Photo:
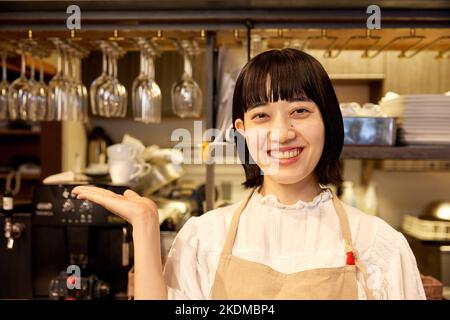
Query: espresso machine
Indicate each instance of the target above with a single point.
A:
(79, 249)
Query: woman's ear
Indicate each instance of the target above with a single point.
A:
(239, 125)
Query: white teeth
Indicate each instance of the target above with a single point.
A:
(285, 154)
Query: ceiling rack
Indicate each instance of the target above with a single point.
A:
(332, 41)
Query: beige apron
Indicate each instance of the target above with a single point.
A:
(241, 279)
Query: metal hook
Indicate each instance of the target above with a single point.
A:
(367, 36)
(237, 38)
(323, 36)
(280, 37)
(441, 53)
(159, 41)
(412, 35)
(73, 36)
(116, 36)
(432, 43)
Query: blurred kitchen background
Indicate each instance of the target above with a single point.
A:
(136, 71)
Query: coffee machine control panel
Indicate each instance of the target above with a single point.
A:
(56, 205)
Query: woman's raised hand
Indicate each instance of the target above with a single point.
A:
(142, 214)
(129, 206)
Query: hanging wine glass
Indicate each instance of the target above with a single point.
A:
(30, 108)
(123, 95)
(112, 95)
(98, 82)
(4, 85)
(146, 94)
(108, 96)
(186, 94)
(81, 88)
(58, 88)
(39, 94)
(72, 113)
(17, 97)
(75, 91)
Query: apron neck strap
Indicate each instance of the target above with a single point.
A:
(343, 219)
(231, 235)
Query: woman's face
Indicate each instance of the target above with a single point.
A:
(285, 138)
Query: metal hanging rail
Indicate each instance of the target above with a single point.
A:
(411, 36)
(374, 39)
(440, 54)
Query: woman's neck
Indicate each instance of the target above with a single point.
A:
(305, 190)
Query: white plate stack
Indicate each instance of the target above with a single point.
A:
(426, 118)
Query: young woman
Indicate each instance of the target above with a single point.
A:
(291, 238)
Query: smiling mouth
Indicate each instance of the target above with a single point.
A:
(286, 154)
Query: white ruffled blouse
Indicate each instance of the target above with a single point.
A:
(291, 238)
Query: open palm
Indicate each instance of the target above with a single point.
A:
(129, 206)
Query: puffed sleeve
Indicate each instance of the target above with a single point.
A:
(403, 277)
(183, 274)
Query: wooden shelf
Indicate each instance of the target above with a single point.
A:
(399, 153)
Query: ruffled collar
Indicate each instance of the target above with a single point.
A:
(272, 200)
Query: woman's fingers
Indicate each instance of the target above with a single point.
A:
(98, 190)
(133, 196)
(130, 194)
(116, 204)
(129, 206)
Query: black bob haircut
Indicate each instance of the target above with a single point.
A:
(292, 74)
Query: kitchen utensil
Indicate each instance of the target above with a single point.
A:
(134, 143)
(161, 174)
(98, 141)
(437, 210)
(370, 131)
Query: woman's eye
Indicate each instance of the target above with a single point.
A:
(259, 116)
(300, 111)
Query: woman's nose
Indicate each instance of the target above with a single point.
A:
(282, 131)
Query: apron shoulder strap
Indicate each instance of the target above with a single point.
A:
(346, 234)
(345, 225)
(231, 234)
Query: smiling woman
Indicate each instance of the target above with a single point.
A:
(294, 83)
(291, 237)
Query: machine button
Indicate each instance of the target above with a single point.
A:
(65, 194)
(68, 206)
(86, 207)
